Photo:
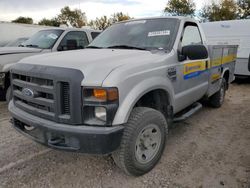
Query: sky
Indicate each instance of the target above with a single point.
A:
(39, 9)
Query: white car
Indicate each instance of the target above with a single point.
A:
(44, 41)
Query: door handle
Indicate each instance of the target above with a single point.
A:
(207, 64)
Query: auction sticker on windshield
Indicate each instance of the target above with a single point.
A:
(136, 22)
(158, 33)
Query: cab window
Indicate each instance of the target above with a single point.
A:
(94, 34)
(74, 40)
(191, 35)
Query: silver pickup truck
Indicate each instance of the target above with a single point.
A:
(121, 94)
(44, 41)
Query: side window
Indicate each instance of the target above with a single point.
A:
(74, 40)
(191, 36)
(94, 34)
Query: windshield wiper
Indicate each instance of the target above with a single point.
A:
(126, 47)
(94, 47)
(32, 45)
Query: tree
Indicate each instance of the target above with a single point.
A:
(224, 10)
(100, 23)
(25, 20)
(50, 22)
(104, 22)
(180, 8)
(119, 16)
(243, 9)
(75, 18)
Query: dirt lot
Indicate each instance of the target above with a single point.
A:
(211, 149)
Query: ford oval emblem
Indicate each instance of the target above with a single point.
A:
(28, 92)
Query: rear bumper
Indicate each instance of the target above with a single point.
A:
(80, 138)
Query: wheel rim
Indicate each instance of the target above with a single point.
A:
(148, 143)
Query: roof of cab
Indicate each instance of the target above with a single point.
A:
(162, 17)
(72, 29)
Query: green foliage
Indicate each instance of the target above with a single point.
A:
(224, 10)
(25, 20)
(104, 22)
(180, 8)
(100, 23)
(75, 17)
(119, 16)
(50, 22)
(243, 9)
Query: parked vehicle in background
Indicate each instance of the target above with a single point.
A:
(232, 32)
(12, 31)
(17, 42)
(121, 94)
(44, 41)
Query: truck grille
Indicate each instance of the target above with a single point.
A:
(51, 93)
(38, 96)
(65, 98)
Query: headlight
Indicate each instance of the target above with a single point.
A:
(101, 113)
(101, 94)
(100, 105)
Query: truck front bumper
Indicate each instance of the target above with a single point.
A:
(78, 138)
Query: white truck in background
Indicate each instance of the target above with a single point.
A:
(44, 41)
(232, 32)
(10, 32)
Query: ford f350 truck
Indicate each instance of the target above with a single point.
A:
(44, 41)
(121, 94)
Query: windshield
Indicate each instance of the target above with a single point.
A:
(44, 39)
(139, 34)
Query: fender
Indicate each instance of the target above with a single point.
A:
(224, 70)
(137, 92)
(7, 67)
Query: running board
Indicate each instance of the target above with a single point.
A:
(191, 110)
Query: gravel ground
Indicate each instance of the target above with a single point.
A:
(210, 149)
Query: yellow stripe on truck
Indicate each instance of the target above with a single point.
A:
(226, 59)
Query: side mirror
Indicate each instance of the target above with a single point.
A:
(193, 52)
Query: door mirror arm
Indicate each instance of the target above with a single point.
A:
(181, 57)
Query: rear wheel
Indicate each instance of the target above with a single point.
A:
(218, 98)
(142, 143)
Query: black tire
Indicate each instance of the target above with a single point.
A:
(125, 157)
(8, 95)
(2, 94)
(217, 99)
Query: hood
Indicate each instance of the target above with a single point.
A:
(11, 55)
(95, 64)
(18, 50)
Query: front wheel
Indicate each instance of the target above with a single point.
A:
(143, 141)
(218, 98)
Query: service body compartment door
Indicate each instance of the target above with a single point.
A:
(222, 58)
(215, 53)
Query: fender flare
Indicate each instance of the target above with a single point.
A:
(142, 88)
(224, 71)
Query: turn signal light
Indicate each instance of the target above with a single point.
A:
(106, 94)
